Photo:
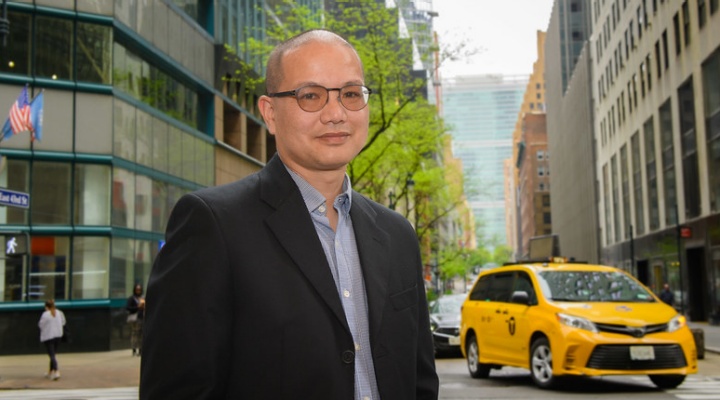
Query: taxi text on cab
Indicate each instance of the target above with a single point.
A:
(571, 319)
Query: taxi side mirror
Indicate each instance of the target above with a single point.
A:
(520, 297)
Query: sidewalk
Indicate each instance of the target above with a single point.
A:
(79, 371)
(118, 369)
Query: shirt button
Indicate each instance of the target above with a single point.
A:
(366, 398)
(346, 293)
(321, 208)
(348, 357)
(357, 346)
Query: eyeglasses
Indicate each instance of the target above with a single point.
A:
(313, 98)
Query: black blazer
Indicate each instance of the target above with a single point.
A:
(241, 303)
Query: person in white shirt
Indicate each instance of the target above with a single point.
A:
(51, 332)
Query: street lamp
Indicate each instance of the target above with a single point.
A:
(391, 200)
(410, 185)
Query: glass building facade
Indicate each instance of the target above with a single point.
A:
(136, 114)
(481, 112)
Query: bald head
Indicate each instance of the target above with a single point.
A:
(274, 74)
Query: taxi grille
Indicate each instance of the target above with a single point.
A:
(618, 357)
(634, 331)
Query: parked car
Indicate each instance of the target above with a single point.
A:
(562, 319)
(445, 323)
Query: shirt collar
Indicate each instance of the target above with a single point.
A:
(314, 199)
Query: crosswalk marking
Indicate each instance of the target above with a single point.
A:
(695, 387)
(126, 393)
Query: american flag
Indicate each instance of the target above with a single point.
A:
(20, 113)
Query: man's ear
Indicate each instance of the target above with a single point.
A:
(267, 110)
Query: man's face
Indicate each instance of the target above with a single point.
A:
(324, 140)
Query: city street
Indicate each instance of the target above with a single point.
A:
(515, 383)
(114, 376)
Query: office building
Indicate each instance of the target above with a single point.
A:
(655, 83)
(481, 112)
(570, 111)
(137, 112)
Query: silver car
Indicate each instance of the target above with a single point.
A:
(445, 323)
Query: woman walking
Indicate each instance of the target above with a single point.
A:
(136, 309)
(51, 331)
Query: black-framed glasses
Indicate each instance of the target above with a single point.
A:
(312, 98)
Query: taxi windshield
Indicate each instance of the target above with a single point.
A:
(591, 286)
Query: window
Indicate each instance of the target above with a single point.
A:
(691, 171)
(651, 174)
(123, 199)
(711, 98)
(702, 13)
(94, 53)
(90, 268)
(676, 29)
(606, 204)
(615, 196)
(48, 268)
(625, 183)
(540, 155)
(666, 57)
(648, 72)
(642, 79)
(547, 218)
(92, 194)
(501, 287)
(15, 176)
(50, 193)
(53, 48)
(658, 62)
(686, 22)
(637, 183)
(481, 290)
(541, 170)
(668, 163)
(541, 187)
(15, 57)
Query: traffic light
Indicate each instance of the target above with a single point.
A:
(16, 244)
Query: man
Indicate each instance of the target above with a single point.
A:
(667, 296)
(287, 284)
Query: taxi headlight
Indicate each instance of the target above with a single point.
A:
(576, 322)
(676, 323)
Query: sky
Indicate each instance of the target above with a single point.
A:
(502, 31)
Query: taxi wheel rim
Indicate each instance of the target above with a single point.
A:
(473, 356)
(542, 364)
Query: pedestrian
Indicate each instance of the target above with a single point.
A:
(287, 283)
(51, 326)
(136, 311)
(666, 295)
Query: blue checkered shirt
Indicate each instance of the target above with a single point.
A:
(342, 255)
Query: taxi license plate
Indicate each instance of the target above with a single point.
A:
(454, 340)
(642, 353)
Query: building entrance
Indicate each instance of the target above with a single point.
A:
(697, 284)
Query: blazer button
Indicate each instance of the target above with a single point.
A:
(348, 357)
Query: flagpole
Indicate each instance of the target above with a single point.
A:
(4, 23)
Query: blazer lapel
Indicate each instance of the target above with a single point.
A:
(372, 247)
(293, 227)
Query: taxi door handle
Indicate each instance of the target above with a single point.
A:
(498, 311)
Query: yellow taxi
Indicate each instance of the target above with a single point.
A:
(561, 319)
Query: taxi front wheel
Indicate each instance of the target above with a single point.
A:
(477, 370)
(667, 381)
(541, 364)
